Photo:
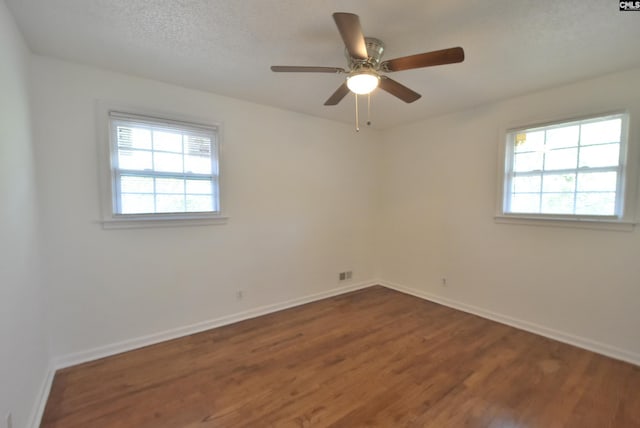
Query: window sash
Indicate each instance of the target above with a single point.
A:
(543, 173)
(186, 130)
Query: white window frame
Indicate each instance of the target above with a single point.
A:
(107, 114)
(623, 220)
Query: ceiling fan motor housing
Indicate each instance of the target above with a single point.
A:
(375, 49)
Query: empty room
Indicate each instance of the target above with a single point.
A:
(361, 213)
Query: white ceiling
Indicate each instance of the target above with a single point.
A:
(226, 46)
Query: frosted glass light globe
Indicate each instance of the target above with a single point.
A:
(363, 82)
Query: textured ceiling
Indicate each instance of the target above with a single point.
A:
(226, 46)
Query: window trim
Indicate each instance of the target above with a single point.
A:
(110, 219)
(625, 221)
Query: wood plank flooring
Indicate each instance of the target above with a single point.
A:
(371, 358)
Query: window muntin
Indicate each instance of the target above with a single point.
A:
(163, 168)
(573, 169)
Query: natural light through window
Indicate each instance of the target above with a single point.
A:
(163, 167)
(566, 169)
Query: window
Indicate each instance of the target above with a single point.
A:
(162, 169)
(567, 170)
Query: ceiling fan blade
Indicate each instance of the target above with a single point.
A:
(427, 59)
(338, 95)
(398, 90)
(306, 69)
(351, 33)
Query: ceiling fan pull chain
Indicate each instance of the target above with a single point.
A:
(369, 109)
(357, 121)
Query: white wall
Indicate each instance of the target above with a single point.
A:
(439, 202)
(304, 196)
(307, 198)
(299, 191)
(23, 341)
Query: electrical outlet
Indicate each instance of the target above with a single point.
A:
(239, 294)
(444, 282)
(9, 420)
(349, 274)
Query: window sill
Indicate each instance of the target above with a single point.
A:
(576, 223)
(134, 222)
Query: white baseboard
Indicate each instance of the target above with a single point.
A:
(139, 342)
(41, 401)
(580, 342)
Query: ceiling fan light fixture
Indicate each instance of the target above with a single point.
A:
(363, 82)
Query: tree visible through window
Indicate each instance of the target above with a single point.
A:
(163, 167)
(571, 168)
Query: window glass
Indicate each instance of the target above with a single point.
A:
(572, 168)
(163, 168)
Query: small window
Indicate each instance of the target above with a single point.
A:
(163, 169)
(567, 169)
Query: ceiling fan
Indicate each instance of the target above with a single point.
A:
(364, 56)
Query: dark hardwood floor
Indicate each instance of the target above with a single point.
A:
(374, 357)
